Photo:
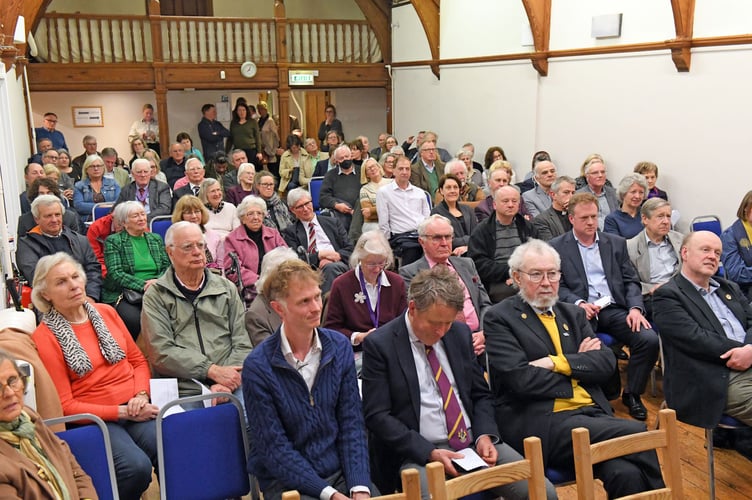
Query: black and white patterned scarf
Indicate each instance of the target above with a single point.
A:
(217, 210)
(75, 355)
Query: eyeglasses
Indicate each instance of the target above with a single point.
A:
(438, 237)
(255, 214)
(302, 205)
(430, 150)
(266, 184)
(374, 265)
(187, 247)
(15, 383)
(95, 167)
(537, 276)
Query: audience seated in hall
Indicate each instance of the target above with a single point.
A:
(222, 214)
(650, 171)
(191, 182)
(460, 215)
(538, 199)
(554, 221)
(498, 176)
(45, 186)
(245, 175)
(190, 209)
(154, 195)
(98, 232)
(596, 183)
(470, 193)
(93, 188)
(340, 190)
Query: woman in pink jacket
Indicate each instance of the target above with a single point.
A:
(247, 244)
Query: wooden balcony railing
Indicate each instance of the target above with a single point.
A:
(83, 38)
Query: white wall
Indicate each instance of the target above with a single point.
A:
(629, 108)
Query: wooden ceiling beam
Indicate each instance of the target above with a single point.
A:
(428, 13)
(539, 15)
(684, 15)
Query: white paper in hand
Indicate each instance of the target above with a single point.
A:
(470, 460)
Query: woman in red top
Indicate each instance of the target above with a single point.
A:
(96, 367)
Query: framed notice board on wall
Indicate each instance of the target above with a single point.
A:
(87, 116)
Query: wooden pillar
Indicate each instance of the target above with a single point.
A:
(158, 67)
(283, 89)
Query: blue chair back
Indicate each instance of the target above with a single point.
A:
(100, 210)
(710, 223)
(203, 453)
(314, 188)
(90, 444)
(160, 225)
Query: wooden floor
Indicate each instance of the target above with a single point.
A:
(733, 471)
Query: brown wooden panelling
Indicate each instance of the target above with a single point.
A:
(90, 77)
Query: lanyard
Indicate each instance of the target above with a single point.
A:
(373, 313)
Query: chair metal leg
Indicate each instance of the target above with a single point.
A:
(711, 463)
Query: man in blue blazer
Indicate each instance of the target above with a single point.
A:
(406, 400)
(599, 277)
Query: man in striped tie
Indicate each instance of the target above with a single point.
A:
(424, 395)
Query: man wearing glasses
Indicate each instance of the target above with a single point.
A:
(435, 237)
(48, 131)
(320, 241)
(546, 367)
(193, 319)
(427, 170)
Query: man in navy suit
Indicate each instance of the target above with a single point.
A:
(599, 277)
(424, 395)
(321, 241)
(546, 368)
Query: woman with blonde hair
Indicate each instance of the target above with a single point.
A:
(190, 208)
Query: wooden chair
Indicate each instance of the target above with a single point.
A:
(410, 489)
(530, 468)
(665, 440)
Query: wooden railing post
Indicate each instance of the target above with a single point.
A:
(283, 89)
(158, 66)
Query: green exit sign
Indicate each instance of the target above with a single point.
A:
(301, 77)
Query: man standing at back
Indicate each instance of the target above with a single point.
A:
(49, 131)
(304, 410)
(598, 276)
(212, 132)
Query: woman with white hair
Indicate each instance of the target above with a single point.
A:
(222, 214)
(244, 187)
(627, 222)
(367, 296)
(96, 367)
(249, 243)
(260, 319)
(135, 259)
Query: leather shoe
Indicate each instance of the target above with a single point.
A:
(620, 354)
(634, 404)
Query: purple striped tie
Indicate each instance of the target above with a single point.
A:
(456, 429)
(311, 238)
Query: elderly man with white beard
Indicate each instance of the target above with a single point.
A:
(546, 368)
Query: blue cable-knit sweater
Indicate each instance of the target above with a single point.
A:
(300, 437)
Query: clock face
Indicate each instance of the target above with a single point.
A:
(248, 69)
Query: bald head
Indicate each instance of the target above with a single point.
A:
(700, 254)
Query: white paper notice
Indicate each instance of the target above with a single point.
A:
(164, 390)
(204, 390)
(470, 461)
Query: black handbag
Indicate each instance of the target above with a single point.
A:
(132, 297)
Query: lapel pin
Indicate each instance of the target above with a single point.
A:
(523, 315)
(728, 296)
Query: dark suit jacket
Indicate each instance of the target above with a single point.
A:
(524, 394)
(179, 193)
(468, 274)
(160, 201)
(621, 275)
(322, 167)
(391, 395)
(695, 377)
(296, 235)
(548, 225)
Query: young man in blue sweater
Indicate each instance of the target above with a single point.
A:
(304, 411)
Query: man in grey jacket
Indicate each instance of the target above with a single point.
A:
(193, 319)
